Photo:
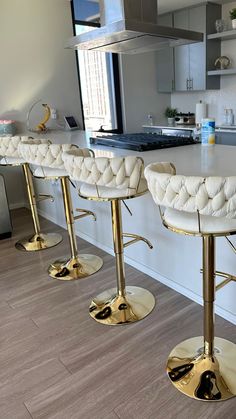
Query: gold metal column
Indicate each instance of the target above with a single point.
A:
(123, 304)
(39, 241)
(75, 267)
(198, 367)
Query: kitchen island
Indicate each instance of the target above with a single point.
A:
(175, 259)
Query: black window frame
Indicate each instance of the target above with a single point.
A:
(116, 76)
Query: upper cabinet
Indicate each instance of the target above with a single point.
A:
(190, 62)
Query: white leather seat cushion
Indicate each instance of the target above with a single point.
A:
(11, 161)
(103, 192)
(48, 172)
(188, 222)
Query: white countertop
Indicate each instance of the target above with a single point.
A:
(218, 160)
(219, 128)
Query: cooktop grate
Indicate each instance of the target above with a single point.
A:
(141, 141)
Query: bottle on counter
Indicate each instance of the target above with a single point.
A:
(150, 119)
(208, 131)
(228, 117)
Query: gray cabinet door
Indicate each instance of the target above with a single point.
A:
(165, 61)
(181, 53)
(197, 54)
(226, 138)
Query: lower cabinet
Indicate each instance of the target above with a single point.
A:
(226, 138)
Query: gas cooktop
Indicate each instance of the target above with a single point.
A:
(141, 141)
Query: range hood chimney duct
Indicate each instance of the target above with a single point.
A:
(138, 10)
(131, 27)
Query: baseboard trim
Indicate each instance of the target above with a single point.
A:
(17, 205)
(153, 274)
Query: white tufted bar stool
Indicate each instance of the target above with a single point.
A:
(10, 157)
(49, 165)
(203, 368)
(114, 180)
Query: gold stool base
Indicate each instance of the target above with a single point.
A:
(38, 242)
(75, 268)
(202, 377)
(112, 309)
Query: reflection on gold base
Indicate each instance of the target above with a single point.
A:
(110, 308)
(38, 242)
(200, 376)
(75, 268)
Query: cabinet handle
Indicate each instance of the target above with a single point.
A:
(187, 84)
(191, 84)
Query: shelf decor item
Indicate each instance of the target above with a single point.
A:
(219, 25)
(222, 62)
(170, 114)
(232, 14)
(41, 126)
(7, 128)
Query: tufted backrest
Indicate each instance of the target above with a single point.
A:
(116, 172)
(9, 145)
(48, 155)
(213, 195)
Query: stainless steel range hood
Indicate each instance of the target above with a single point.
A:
(130, 27)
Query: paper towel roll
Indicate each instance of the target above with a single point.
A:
(201, 112)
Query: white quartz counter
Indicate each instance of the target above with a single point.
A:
(219, 128)
(175, 259)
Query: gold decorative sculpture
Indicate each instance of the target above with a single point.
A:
(222, 62)
(42, 125)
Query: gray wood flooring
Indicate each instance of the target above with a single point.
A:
(58, 363)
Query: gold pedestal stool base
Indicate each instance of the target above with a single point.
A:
(38, 242)
(111, 308)
(200, 376)
(75, 268)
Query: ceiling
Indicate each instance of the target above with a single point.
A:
(169, 5)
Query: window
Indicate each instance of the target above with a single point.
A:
(98, 74)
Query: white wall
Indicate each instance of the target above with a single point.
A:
(217, 100)
(35, 65)
(139, 91)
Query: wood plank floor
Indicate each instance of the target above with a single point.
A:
(58, 363)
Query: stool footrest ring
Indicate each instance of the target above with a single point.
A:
(136, 238)
(228, 279)
(85, 213)
(44, 197)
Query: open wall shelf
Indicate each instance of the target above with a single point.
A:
(223, 36)
(226, 72)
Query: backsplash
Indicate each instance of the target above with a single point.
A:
(217, 100)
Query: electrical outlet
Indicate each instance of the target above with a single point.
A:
(53, 113)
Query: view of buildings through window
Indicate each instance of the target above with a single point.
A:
(97, 87)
